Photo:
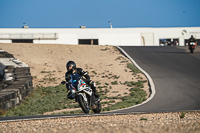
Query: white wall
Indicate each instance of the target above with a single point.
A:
(62, 39)
(147, 39)
(5, 41)
(120, 39)
(106, 36)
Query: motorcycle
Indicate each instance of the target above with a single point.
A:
(192, 47)
(83, 94)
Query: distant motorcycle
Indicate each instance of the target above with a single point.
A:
(192, 47)
(83, 94)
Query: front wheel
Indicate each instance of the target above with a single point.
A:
(83, 104)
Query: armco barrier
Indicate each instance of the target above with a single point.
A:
(15, 81)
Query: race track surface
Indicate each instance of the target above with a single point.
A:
(176, 75)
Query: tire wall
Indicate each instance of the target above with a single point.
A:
(15, 81)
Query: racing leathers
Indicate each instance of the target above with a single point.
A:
(81, 72)
(192, 39)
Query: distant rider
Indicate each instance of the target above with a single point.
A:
(192, 39)
(71, 68)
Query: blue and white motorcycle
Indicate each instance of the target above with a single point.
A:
(83, 94)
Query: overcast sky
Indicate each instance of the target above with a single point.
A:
(97, 13)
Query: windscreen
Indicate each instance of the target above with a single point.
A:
(75, 78)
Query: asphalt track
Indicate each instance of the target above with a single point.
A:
(176, 76)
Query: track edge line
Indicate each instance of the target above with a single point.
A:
(151, 83)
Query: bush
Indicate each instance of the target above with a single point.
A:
(182, 115)
(106, 83)
(98, 83)
(143, 119)
(133, 68)
(114, 83)
(45, 71)
(135, 89)
(94, 72)
(129, 84)
(140, 84)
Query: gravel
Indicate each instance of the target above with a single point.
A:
(170, 122)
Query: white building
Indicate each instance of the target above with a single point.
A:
(101, 36)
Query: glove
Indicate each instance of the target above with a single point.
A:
(63, 82)
(87, 82)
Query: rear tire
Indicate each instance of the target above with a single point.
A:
(98, 108)
(83, 104)
(192, 50)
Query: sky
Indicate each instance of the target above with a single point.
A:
(98, 13)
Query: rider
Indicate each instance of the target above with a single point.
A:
(71, 68)
(192, 39)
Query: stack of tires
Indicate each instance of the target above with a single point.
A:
(16, 83)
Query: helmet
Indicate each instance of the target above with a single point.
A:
(71, 64)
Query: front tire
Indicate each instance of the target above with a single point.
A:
(83, 104)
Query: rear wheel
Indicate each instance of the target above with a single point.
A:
(83, 104)
(192, 50)
(98, 108)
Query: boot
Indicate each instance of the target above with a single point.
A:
(96, 95)
(93, 87)
(95, 91)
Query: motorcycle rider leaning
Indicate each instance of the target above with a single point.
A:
(71, 68)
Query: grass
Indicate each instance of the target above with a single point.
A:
(46, 99)
(136, 96)
(94, 72)
(2, 112)
(182, 115)
(45, 71)
(114, 83)
(98, 83)
(134, 69)
(106, 91)
(43, 99)
(106, 83)
(143, 119)
(115, 76)
(137, 84)
(123, 61)
(120, 58)
(129, 84)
